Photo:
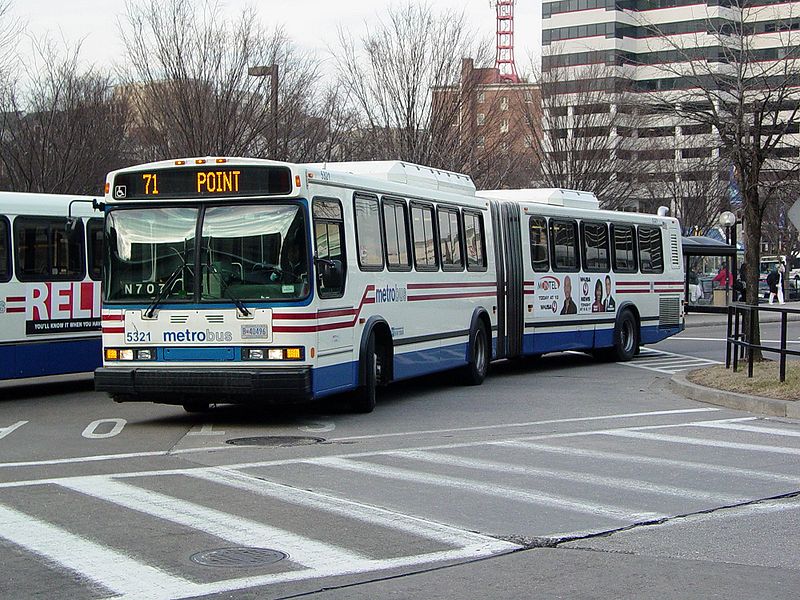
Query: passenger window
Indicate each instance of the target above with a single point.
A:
(368, 232)
(651, 254)
(624, 257)
(595, 247)
(5, 250)
(539, 251)
(94, 248)
(329, 244)
(423, 235)
(395, 226)
(450, 240)
(564, 241)
(474, 241)
(48, 249)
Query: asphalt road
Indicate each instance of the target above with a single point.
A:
(564, 478)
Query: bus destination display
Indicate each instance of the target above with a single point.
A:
(202, 182)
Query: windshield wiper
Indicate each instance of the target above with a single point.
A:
(225, 290)
(173, 277)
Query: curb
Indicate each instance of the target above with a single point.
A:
(755, 404)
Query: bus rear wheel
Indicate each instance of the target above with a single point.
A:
(479, 356)
(626, 338)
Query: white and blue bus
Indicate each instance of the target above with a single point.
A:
(50, 271)
(255, 281)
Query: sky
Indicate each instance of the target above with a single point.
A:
(311, 24)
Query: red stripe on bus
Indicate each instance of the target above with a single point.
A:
(15, 309)
(113, 330)
(15, 299)
(449, 296)
(113, 317)
(430, 286)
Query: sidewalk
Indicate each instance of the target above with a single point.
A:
(694, 319)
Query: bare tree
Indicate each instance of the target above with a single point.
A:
(191, 95)
(63, 130)
(404, 81)
(588, 135)
(10, 29)
(744, 86)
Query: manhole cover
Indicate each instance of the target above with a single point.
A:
(276, 440)
(238, 557)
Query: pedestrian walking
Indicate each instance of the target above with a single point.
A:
(775, 284)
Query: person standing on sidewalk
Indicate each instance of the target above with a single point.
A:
(775, 283)
(781, 281)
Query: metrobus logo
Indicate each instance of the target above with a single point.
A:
(208, 336)
(393, 293)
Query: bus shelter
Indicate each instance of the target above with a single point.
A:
(711, 274)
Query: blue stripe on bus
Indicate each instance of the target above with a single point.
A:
(52, 357)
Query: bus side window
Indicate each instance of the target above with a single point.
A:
(595, 247)
(450, 239)
(423, 235)
(48, 249)
(564, 242)
(368, 232)
(395, 224)
(624, 256)
(540, 259)
(5, 250)
(94, 248)
(329, 244)
(475, 241)
(651, 254)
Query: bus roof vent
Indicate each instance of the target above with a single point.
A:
(407, 173)
(551, 196)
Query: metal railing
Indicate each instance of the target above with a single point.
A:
(741, 330)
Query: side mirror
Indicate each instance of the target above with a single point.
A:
(331, 273)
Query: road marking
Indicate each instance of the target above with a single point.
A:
(490, 489)
(667, 363)
(156, 453)
(700, 339)
(675, 439)
(372, 515)
(749, 428)
(649, 460)
(111, 569)
(91, 429)
(366, 454)
(205, 429)
(4, 431)
(633, 485)
(305, 551)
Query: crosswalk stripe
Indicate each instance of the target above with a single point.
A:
(347, 508)
(574, 476)
(509, 493)
(675, 439)
(242, 531)
(668, 363)
(651, 460)
(103, 566)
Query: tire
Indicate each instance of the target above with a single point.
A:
(365, 396)
(479, 356)
(626, 337)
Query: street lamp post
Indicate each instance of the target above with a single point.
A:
(270, 71)
(728, 220)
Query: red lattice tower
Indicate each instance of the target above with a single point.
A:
(504, 62)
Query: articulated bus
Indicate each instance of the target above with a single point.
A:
(50, 271)
(254, 281)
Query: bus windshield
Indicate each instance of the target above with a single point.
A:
(246, 252)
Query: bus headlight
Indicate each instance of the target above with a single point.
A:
(144, 354)
(114, 354)
(126, 354)
(291, 353)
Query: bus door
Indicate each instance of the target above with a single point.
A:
(508, 259)
(334, 312)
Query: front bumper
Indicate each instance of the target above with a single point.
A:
(230, 385)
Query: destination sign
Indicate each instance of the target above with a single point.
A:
(202, 182)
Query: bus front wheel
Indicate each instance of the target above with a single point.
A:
(365, 396)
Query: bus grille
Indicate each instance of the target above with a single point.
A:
(669, 311)
(674, 254)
